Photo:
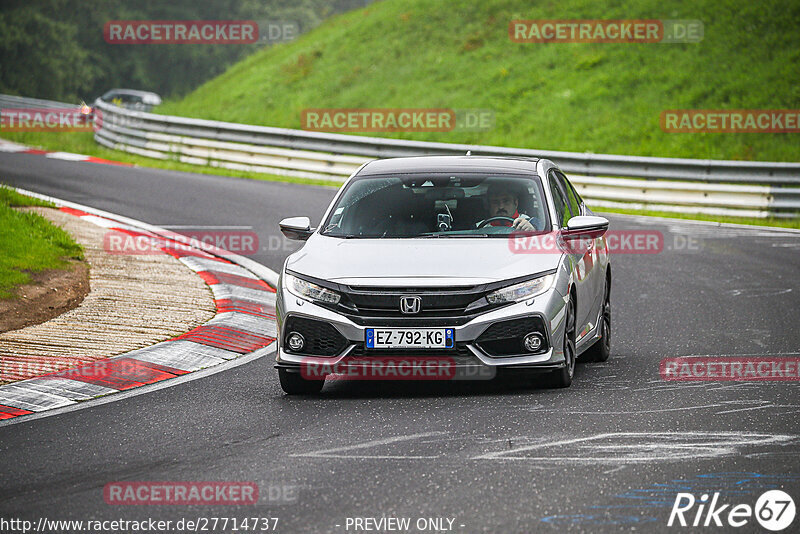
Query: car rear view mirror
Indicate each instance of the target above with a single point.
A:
(585, 226)
(297, 228)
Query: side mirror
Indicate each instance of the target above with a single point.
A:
(585, 226)
(297, 228)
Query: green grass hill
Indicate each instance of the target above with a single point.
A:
(584, 97)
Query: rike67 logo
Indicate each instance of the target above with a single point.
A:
(774, 510)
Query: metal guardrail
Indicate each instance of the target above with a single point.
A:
(16, 102)
(714, 187)
(738, 188)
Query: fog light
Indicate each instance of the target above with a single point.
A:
(295, 341)
(533, 342)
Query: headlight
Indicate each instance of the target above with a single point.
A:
(522, 291)
(305, 289)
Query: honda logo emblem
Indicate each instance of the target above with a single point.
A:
(409, 305)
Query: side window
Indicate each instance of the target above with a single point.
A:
(573, 198)
(559, 200)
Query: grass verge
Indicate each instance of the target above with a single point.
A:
(29, 242)
(605, 98)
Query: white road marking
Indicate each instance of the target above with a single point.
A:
(331, 453)
(666, 386)
(8, 146)
(758, 292)
(66, 156)
(21, 396)
(34, 400)
(653, 446)
(618, 468)
(637, 412)
(768, 405)
(759, 404)
(620, 448)
(100, 221)
(149, 388)
(369, 457)
(771, 454)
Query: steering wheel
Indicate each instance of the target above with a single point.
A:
(493, 219)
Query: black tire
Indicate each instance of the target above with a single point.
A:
(562, 378)
(601, 350)
(295, 384)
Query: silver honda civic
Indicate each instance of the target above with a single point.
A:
(445, 267)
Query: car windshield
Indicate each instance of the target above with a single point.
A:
(437, 205)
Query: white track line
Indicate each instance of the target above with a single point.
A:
(149, 388)
(119, 395)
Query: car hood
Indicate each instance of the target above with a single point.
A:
(415, 262)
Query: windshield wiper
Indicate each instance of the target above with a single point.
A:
(466, 235)
(432, 234)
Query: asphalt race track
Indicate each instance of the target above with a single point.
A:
(609, 453)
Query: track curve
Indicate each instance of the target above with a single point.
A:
(496, 457)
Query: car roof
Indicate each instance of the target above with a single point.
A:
(433, 164)
(146, 96)
(130, 92)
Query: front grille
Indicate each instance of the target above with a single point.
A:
(322, 339)
(409, 321)
(505, 338)
(437, 303)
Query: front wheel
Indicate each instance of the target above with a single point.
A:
(601, 350)
(562, 378)
(295, 384)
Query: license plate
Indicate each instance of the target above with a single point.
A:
(410, 338)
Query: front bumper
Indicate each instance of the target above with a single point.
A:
(469, 356)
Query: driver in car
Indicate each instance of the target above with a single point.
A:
(503, 202)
